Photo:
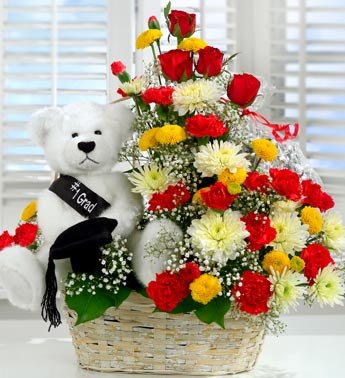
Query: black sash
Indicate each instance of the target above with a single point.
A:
(82, 199)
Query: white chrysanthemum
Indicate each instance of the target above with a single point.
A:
(135, 86)
(333, 231)
(195, 95)
(287, 289)
(328, 287)
(150, 179)
(291, 233)
(217, 236)
(214, 158)
(285, 206)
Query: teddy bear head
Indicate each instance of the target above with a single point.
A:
(82, 138)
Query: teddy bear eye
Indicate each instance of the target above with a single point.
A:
(74, 135)
(98, 132)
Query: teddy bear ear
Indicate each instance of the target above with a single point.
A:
(42, 121)
(121, 118)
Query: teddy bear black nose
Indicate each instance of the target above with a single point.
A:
(86, 146)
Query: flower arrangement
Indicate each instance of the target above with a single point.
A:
(259, 232)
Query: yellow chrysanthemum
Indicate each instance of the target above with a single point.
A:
(264, 149)
(205, 288)
(192, 44)
(277, 260)
(239, 177)
(148, 139)
(29, 211)
(170, 134)
(146, 38)
(311, 216)
(297, 264)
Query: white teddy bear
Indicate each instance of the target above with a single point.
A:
(82, 141)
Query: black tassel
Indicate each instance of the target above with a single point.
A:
(49, 309)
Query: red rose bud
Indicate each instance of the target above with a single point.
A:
(177, 65)
(181, 24)
(153, 23)
(121, 92)
(205, 126)
(210, 61)
(316, 257)
(217, 196)
(243, 89)
(119, 69)
(6, 240)
(25, 234)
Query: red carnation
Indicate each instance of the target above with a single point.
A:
(260, 229)
(257, 182)
(174, 196)
(181, 24)
(117, 68)
(190, 272)
(243, 89)
(217, 196)
(177, 65)
(6, 240)
(316, 257)
(286, 183)
(253, 295)
(161, 95)
(25, 234)
(313, 195)
(210, 61)
(167, 291)
(203, 126)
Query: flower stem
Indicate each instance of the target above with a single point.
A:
(155, 61)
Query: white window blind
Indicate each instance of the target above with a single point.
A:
(307, 66)
(53, 52)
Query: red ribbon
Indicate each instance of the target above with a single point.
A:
(276, 128)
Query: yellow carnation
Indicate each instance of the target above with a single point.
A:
(148, 139)
(226, 177)
(311, 216)
(29, 211)
(297, 264)
(192, 44)
(170, 134)
(264, 149)
(205, 288)
(277, 260)
(146, 38)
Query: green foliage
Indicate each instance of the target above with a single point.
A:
(89, 306)
(214, 311)
(187, 305)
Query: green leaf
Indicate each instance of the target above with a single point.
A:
(167, 9)
(142, 291)
(89, 307)
(187, 305)
(214, 311)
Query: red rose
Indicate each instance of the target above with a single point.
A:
(243, 89)
(117, 68)
(257, 182)
(174, 196)
(190, 272)
(177, 65)
(6, 240)
(217, 196)
(252, 297)
(25, 234)
(167, 291)
(153, 23)
(316, 257)
(161, 95)
(210, 61)
(286, 183)
(260, 229)
(313, 195)
(203, 126)
(181, 24)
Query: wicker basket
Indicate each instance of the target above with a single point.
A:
(133, 339)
